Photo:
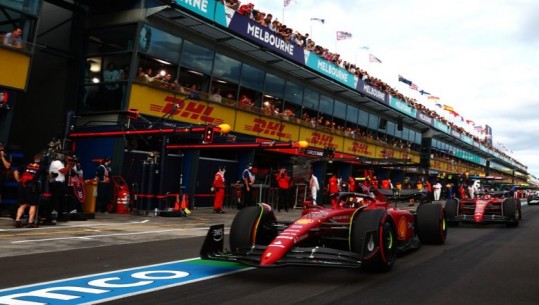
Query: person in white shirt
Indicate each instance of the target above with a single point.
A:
(314, 187)
(437, 190)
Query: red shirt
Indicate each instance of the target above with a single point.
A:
(333, 185)
(219, 180)
(284, 182)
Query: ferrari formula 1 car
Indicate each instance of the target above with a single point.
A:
(487, 207)
(533, 198)
(363, 231)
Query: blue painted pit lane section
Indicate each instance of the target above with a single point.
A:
(98, 288)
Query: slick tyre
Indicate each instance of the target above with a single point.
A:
(511, 209)
(430, 224)
(451, 211)
(249, 228)
(373, 237)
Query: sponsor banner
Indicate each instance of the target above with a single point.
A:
(318, 139)
(455, 133)
(329, 69)
(161, 103)
(425, 118)
(18, 65)
(371, 91)
(99, 288)
(441, 126)
(403, 107)
(384, 152)
(263, 36)
(256, 125)
(359, 148)
(204, 8)
(466, 139)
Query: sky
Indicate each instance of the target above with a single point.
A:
(480, 57)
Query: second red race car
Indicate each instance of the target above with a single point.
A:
(486, 207)
(363, 231)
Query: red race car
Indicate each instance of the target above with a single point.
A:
(363, 231)
(486, 207)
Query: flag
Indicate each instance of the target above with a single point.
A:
(404, 80)
(319, 19)
(433, 98)
(287, 2)
(343, 35)
(423, 92)
(448, 108)
(470, 122)
(438, 105)
(413, 86)
(373, 58)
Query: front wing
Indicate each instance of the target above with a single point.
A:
(213, 249)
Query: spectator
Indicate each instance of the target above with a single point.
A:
(13, 38)
(244, 100)
(103, 185)
(247, 10)
(351, 184)
(216, 96)
(284, 181)
(5, 166)
(218, 186)
(111, 77)
(193, 93)
(29, 192)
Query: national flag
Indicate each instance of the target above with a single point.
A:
(433, 98)
(423, 92)
(373, 58)
(470, 122)
(319, 19)
(448, 108)
(404, 80)
(287, 2)
(438, 105)
(343, 35)
(413, 86)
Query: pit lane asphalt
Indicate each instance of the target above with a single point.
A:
(112, 229)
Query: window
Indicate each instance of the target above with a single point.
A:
(196, 57)
(252, 77)
(111, 39)
(159, 44)
(226, 68)
(311, 99)
(274, 86)
(326, 105)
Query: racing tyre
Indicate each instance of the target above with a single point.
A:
(511, 209)
(248, 228)
(373, 237)
(451, 211)
(430, 224)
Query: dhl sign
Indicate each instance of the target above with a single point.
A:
(320, 139)
(358, 148)
(268, 128)
(159, 103)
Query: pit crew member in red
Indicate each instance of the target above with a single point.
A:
(333, 188)
(218, 186)
(284, 182)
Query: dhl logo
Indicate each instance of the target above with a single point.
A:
(189, 110)
(321, 140)
(437, 164)
(387, 153)
(448, 167)
(360, 148)
(268, 128)
(405, 156)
